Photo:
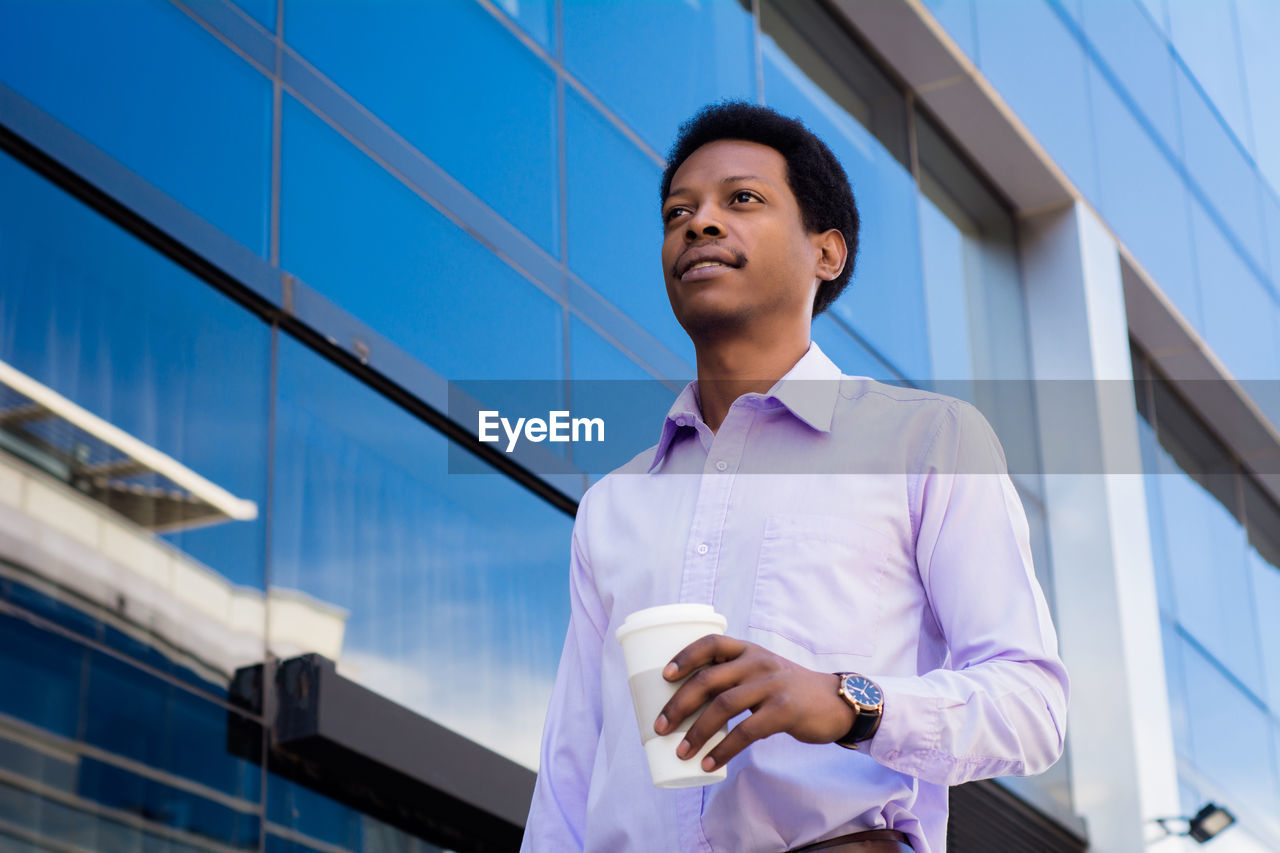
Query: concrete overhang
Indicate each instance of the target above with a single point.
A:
(915, 47)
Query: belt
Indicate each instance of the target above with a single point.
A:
(867, 841)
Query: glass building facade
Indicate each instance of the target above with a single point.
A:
(248, 248)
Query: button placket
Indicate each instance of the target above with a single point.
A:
(711, 511)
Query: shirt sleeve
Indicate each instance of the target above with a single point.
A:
(998, 707)
(557, 815)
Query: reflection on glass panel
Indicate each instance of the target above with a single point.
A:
(1159, 12)
(972, 256)
(99, 753)
(502, 145)
(1238, 311)
(1231, 737)
(976, 306)
(262, 11)
(537, 17)
(594, 358)
(1180, 703)
(826, 55)
(1136, 51)
(885, 299)
(1209, 570)
(624, 51)
(211, 151)
(1151, 453)
(446, 593)
(615, 222)
(1271, 219)
(366, 241)
(1204, 34)
(1221, 170)
(607, 381)
(1143, 198)
(1039, 69)
(123, 382)
(1259, 21)
(1262, 517)
(942, 247)
(325, 823)
(847, 351)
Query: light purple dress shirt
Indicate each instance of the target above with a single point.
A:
(914, 575)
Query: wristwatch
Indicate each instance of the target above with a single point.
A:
(867, 700)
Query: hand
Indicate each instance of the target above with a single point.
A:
(781, 695)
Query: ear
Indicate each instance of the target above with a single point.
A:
(832, 253)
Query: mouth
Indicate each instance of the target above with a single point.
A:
(707, 262)
(704, 269)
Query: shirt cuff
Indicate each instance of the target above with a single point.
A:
(910, 725)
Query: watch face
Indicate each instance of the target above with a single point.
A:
(863, 689)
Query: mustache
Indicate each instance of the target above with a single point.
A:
(739, 259)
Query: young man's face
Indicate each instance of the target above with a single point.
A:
(736, 254)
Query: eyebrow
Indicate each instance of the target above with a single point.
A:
(732, 179)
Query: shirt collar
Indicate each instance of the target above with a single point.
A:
(808, 390)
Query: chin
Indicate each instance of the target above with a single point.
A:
(708, 322)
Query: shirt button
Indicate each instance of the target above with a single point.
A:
(702, 549)
(721, 465)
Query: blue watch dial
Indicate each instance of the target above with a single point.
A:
(863, 689)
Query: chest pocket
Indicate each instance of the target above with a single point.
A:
(818, 583)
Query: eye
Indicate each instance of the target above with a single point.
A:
(673, 213)
(745, 196)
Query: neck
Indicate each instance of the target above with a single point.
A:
(731, 367)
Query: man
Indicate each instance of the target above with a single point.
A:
(868, 550)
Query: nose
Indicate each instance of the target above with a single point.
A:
(704, 223)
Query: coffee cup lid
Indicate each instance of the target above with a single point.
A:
(664, 613)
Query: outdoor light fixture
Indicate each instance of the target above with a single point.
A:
(1209, 822)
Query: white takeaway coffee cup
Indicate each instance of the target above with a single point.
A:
(650, 638)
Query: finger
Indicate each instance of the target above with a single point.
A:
(713, 648)
(760, 724)
(719, 712)
(700, 688)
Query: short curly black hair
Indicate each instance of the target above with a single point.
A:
(815, 176)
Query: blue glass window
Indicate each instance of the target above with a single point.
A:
(1133, 46)
(155, 91)
(615, 222)
(1231, 736)
(450, 79)
(102, 319)
(1221, 170)
(1266, 592)
(1209, 570)
(1259, 21)
(1204, 34)
(847, 351)
(1271, 218)
(138, 716)
(444, 592)
(363, 239)
(48, 667)
(1144, 199)
(537, 17)
(1159, 12)
(626, 54)
(262, 11)
(884, 302)
(1239, 314)
(1039, 69)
